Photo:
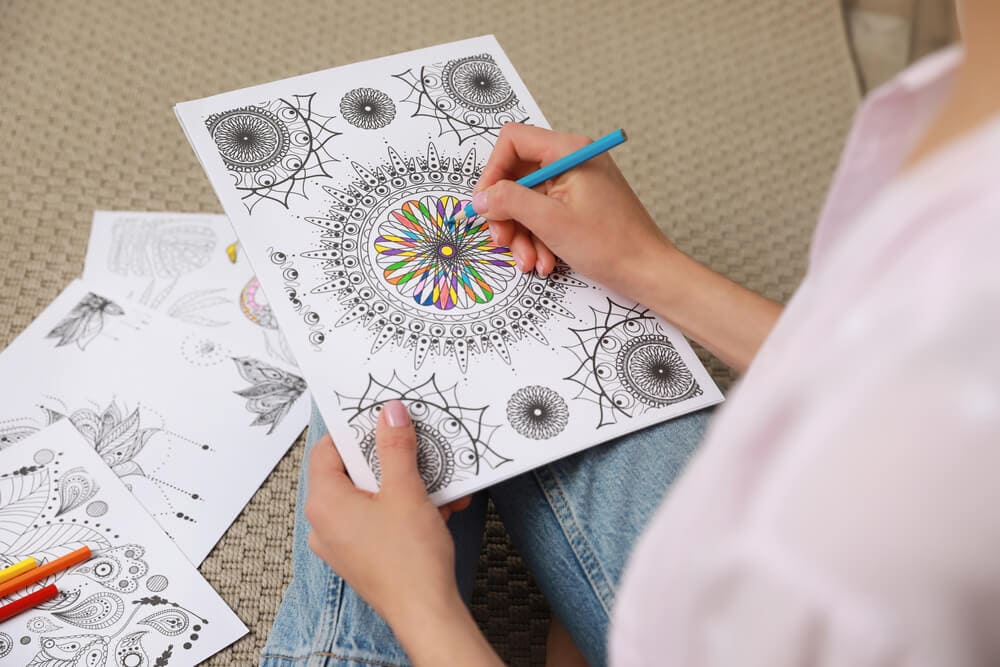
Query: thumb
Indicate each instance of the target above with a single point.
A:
(506, 200)
(396, 445)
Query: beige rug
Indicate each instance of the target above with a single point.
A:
(736, 110)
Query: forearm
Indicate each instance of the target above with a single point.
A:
(444, 634)
(729, 320)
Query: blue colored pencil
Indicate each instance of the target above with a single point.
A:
(559, 167)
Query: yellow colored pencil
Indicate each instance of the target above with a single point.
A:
(14, 570)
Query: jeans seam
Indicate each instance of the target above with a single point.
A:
(328, 654)
(578, 542)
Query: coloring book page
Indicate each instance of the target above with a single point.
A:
(189, 266)
(191, 425)
(340, 185)
(137, 602)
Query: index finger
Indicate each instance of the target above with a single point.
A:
(520, 144)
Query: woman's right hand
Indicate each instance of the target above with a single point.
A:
(589, 216)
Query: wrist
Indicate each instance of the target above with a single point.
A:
(441, 631)
(656, 275)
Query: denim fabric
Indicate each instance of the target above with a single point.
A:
(574, 522)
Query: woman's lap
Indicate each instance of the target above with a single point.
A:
(574, 522)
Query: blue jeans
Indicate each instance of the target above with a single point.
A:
(573, 521)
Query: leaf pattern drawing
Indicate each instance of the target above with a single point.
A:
(85, 322)
(77, 488)
(24, 496)
(116, 435)
(272, 392)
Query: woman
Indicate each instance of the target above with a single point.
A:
(841, 510)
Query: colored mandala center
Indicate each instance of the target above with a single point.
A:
(437, 263)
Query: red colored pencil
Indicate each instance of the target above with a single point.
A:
(45, 570)
(28, 602)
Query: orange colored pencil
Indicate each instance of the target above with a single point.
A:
(45, 570)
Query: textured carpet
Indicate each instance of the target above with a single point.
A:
(736, 110)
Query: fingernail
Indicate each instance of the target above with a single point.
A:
(396, 414)
(539, 269)
(518, 261)
(494, 234)
(479, 202)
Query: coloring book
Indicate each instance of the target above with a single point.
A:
(340, 185)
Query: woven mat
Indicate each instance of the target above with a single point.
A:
(736, 110)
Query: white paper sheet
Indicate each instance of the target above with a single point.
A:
(324, 177)
(137, 601)
(189, 266)
(192, 425)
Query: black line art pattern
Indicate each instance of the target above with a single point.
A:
(537, 412)
(85, 322)
(271, 393)
(295, 295)
(452, 440)
(203, 351)
(397, 267)
(272, 149)
(118, 569)
(160, 250)
(98, 598)
(194, 307)
(255, 307)
(367, 108)
(39, 625)
(13, 431)
(78, 486)
(468, 97)
(628, 365)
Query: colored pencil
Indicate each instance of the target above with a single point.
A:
(559, 167)
(28, 602)
(45, 570)
(16, 569)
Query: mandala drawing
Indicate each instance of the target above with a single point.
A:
(272, 392)
(628, 365)
(85, 322)
(452, 440)
(6, 644)
(396, 265)
(438, 263)
(254, 305)
(293, 291)
(78, 486)
(468, 97)
(537, 412)
(272, 149)
(367, 108)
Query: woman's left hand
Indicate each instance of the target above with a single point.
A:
(392, 547)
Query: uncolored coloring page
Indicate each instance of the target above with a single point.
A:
(136, 602)
(191, 425)
(341, 185)
(189, 266)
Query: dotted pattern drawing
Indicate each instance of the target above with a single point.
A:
(367, 108)
(273, 149)
(628, 365)
(537, 412)
(452, 440)
(468, 97)
(397, 267)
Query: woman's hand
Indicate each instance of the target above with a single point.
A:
(589, 216)
(393, 547)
